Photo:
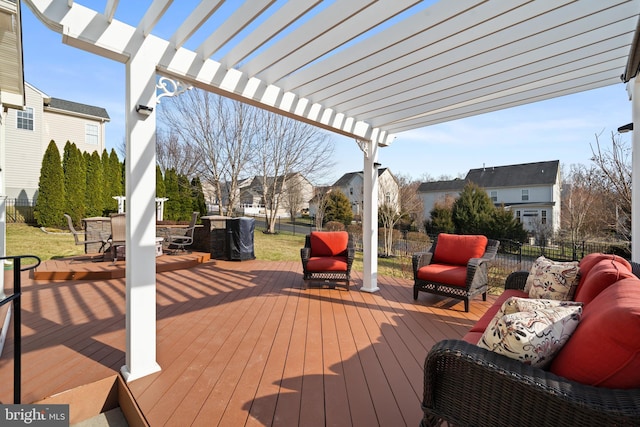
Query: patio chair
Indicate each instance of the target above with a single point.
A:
(83, 241)
(118, 234)
(456, 266)
(327, 256)
(181, 241)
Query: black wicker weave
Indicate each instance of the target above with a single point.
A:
(327, 276)
(466, 385)
(477, 275)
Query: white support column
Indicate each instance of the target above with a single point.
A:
(634, 92)
(141, 218)
(3, 196)
(370, 219)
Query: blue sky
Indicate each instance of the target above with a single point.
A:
(558, 129)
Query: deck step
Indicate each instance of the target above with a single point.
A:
(111, 418)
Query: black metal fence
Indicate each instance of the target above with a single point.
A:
(20, 210)
(512, 255)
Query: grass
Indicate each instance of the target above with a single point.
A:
(23, 239)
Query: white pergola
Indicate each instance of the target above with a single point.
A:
(361, 68)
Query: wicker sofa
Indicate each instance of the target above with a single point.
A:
(594, 380)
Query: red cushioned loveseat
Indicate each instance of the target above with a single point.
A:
(455, 266)
(594, 379)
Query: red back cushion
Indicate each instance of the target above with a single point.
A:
(328, 243)
(601, 276)
(604, 350)
(457, 249)
(589, 261)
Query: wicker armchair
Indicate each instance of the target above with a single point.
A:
(466, 385)
(327, 257)
(477, 270)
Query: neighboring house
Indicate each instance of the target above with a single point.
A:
(29, 131)
(352, 185)
(530, 190)
(291, 189)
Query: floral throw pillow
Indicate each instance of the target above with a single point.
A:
(517, 304)
(533, 337)
(552, 280)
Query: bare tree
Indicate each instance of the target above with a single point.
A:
(614, 166)
(580, 197)
(286, 146)
(181, 155)
(221, 131)
(320, 199)
(293, 197)
(410, 201)
(407, 204)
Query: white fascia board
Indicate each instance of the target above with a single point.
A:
(12, 100)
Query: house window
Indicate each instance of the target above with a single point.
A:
(494, 196)
(25, 119)
(387, 198)
(91, 134)
(543, 216)
(518, 217)
(351, 191)
(525, 195)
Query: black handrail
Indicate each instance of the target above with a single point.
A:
(17, 319)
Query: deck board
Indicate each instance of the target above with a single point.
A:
(241, 343)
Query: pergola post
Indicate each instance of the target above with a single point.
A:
(370, 219)
(634, 93)
(141, 218)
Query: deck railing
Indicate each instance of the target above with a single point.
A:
(17, 320)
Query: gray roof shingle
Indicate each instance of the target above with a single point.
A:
(453, 185)
(76, 107)
(539, 173)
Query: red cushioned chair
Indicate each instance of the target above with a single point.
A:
(456, 266)
(327, 257)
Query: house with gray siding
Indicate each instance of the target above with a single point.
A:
(530, 190)
(28, 132)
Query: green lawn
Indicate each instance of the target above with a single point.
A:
(23, 239)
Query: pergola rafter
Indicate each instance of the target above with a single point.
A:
(362, 68)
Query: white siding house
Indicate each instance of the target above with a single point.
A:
(530, 190)
(352, 185)
(29, 131)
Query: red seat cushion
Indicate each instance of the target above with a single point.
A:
(444, 273)
(317, 264)
(604, 350)
(458, 249)
(328, 243)
(603, 274)
(482, 324)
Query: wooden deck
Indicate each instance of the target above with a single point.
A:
(240, 343)
(94, 267)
